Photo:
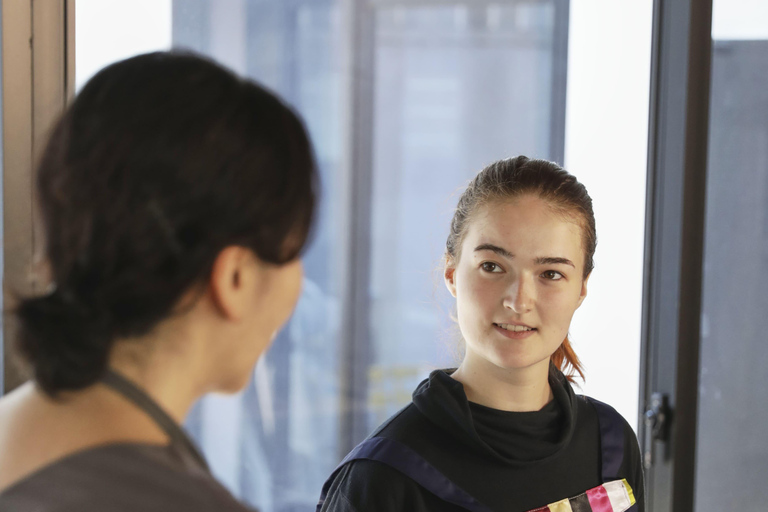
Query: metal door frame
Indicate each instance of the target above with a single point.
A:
(675, 213)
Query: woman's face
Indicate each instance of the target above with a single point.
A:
(270, 302)
(517, 283)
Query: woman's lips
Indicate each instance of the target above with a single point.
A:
(514, 335)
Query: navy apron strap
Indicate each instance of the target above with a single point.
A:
(611, 439)
(402, 458)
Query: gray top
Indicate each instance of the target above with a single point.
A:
(125, 477)
(120, 478)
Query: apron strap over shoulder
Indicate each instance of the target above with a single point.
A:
(402, 458)
(611, 439)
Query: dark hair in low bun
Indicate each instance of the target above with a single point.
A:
(162, 161)
(67, 345)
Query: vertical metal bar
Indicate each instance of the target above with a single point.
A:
(677, 151)
(290, 82)
(649, 380)
(559, 80)
(2, 263)
(69, 50)
(357, 175)
(691, 268)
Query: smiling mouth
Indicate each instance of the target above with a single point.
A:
(515, 328)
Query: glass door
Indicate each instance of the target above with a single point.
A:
(731, 453)
(704, 320)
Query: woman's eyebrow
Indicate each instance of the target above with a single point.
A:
(552, 260)
(541, 260)
(495, 248)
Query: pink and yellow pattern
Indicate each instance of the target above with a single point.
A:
(616, 496)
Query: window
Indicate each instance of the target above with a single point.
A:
(405, 102)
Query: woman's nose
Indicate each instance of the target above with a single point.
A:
(520, 295)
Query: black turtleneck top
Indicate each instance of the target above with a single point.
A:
(509, 461)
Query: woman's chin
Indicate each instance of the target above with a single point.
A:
(515, 362)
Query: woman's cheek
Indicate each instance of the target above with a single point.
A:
(486, 294)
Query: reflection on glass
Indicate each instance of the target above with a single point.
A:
(274, 444)
(732, 458)
(456, 87)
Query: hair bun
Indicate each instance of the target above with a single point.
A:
(66, 344)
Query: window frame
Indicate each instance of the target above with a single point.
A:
(38, 80)
(675, 215)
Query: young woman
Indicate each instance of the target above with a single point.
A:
(505, 431)
(176, 199)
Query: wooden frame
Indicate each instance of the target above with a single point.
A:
(38, 80)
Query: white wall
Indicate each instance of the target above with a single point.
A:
(609, 58)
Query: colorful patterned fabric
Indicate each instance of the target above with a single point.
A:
(613, 496)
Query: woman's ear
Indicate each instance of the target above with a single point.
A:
(234, 275)
(449, 275)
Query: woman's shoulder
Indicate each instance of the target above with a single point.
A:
(37, 431)
(366, 479)
(400, 423)
(119, 477)
(612, 425)
(602, 411)
(372, 486)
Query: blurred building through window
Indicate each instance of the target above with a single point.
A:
(733, 359)
(424, 94)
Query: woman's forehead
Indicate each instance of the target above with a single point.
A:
(527, 225)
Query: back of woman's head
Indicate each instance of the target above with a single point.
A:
(515, 177)
(160, 162)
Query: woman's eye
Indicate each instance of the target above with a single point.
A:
(490, 267)
(552, 275)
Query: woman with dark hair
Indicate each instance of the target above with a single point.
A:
(505, 431)
(176, 199)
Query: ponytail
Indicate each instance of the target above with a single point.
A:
(66, 344)
(566, 360)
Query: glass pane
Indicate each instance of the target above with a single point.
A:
(275, 443)
(455, 86)
(733, 409)
(447, 85)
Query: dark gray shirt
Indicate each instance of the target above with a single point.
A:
(120, 478)
(125, 477)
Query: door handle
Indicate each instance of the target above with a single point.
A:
(656, 418)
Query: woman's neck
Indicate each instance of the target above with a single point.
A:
(519, 390)
(172, 374)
